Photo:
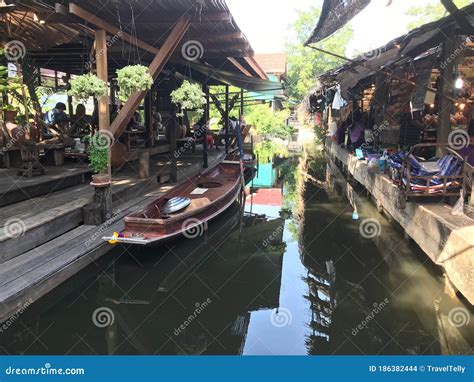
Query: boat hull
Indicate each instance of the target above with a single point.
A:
(148, 227)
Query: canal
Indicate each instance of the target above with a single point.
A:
(307, 266)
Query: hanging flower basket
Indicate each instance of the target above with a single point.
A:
(131, 79)
(189, 97)
(87, 85)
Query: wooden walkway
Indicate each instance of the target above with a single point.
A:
(55, 245)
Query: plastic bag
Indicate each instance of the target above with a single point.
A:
(458, 208)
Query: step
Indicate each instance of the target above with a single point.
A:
(40, 228)
(34, 274)
(15, 189)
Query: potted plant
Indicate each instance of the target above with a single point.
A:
(131, 79)
(99, 163)
(10, 113)
(87, 85)
(189, 97)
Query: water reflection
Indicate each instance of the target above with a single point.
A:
(289, 275)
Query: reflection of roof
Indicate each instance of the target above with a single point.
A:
(266, 197)
(272, 62)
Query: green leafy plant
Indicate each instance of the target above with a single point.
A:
(9, 108)
(87, 85)
(189, 97)
(98, 157)
(131, 79)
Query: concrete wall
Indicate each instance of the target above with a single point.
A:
(448, 240)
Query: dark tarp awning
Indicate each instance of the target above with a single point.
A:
(334, 15)
(253, 84)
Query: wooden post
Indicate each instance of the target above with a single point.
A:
(226, 119)
(241, 104)
(205, 163)
(144, 164)
(447, 85)
(102, 73)
(69, 98)
(148, 120)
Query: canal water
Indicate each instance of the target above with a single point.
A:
(306, 266)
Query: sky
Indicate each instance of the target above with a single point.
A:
(266, 22)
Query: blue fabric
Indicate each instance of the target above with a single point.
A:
(449, 165)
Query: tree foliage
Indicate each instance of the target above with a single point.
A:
(269, 123)
(304, 63)
(430, 12)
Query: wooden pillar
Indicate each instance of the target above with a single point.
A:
(69, 98)
(113, 89)
(226, 119)
(102, 73)
(148, 119)
(205, 163)
(144, 164)
(447, 85)
(241, 103)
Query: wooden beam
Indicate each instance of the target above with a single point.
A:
(155, 68)
(92, 19)
(236, 63)
(459, 16)
(256, 67)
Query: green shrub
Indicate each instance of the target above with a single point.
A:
(98, 156)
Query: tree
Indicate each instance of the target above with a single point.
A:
(304, 63)
(430, 12)
(269, 123)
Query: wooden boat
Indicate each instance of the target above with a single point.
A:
(207, 194)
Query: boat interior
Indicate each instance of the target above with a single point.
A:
(201, 191)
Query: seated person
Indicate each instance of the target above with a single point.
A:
(81, 122)
(54, 117)
(356, 133)
(468, 152)
(135, 122)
